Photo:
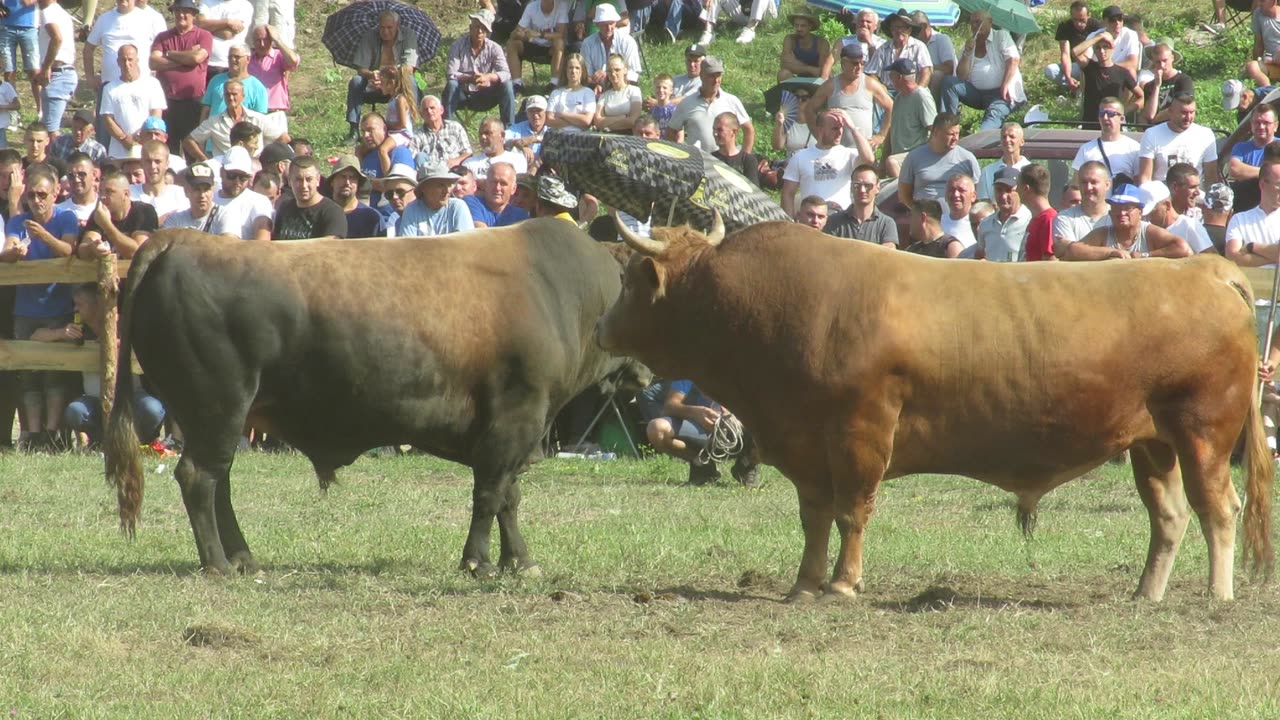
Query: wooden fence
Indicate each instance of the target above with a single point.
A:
(92, 356)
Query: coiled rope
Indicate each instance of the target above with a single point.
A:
(725, 441)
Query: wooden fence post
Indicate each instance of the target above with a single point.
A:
(108, 296)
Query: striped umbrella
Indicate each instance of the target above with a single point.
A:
(941, 13)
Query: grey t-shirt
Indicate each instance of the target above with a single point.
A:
(878, 229)
(1269, 28)
(927, 171)
(913, 114)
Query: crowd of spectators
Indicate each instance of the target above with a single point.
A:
(190, 129)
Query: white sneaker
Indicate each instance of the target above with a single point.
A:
(707, 37)
(746, 36)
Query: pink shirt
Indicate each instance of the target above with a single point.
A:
(271, 71)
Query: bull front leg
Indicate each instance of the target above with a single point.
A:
(514, 555)
(815, 520)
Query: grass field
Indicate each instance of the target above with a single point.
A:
(658, 601)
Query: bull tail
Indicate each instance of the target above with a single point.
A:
(1256, 547)
(120, 441)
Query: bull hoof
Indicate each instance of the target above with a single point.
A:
(218, 571)
(244, 563)
(479, 569)
(799, 596)
(839, 592)
(531, 571)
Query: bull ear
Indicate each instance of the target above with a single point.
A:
(652, 275)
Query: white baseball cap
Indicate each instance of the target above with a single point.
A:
(1232, 91)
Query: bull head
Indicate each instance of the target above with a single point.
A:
(650, 246)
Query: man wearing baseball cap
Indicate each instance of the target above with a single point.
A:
(345, 183)
(694, 118)
(244, 213)
(1127, 46)
(198, 185)
(526, 135)
(1002, 235)
(180, 59)
(80, 139)
(477, 74)
(1128, 236)
(434, 212)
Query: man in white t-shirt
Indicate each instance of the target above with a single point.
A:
(1117, 151)
(1178, 140)
(56, 77)
(128, 102)
(957, 202)
(694, 118)
(825, 169)
(539, 35)
(1073, 224)
(242, 212)
(228, 21)
(122, 25)
(156, 190)
(1160, 212)
(493, 150)
(1253, 236)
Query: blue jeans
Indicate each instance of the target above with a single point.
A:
(54, 96)
(13, 39)
(956, 91)
(677, 12)
(359, 93)
(504, 96)
(84, 414)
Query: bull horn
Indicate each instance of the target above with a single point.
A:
(643, 245)
(717, 229)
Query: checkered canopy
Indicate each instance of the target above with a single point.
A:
(673, 183)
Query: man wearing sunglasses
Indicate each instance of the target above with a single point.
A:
(1115, 150)
(1102, 76)
(861, 220)
(1127, 236)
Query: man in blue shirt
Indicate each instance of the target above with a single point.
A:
(492, 207)
(375, 159)
(526, 135)
(684, 429)
(1246, 158)
(18, 34)
(434, 212)
(42, 233)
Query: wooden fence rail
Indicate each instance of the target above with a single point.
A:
(91, 356)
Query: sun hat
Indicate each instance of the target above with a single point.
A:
(551, 190)
(902, 16)
(484, 17)
(606, 13)
(435, 171)
(348, 162)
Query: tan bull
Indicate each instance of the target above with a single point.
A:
(852, 363)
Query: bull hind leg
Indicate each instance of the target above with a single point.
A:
(198, 480)
(234, 546)
(1206, 477)
(496, 459)
(1156, 473)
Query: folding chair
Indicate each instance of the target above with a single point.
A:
(610, 403)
